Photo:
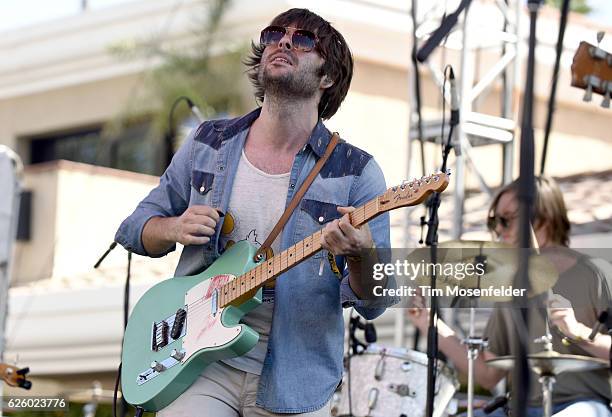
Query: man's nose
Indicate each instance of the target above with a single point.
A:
(285, 42)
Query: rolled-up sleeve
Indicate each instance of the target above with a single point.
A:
(169, 199)
(369, 185)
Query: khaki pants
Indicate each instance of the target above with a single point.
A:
(223, 391)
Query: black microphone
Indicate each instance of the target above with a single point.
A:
(454, 117)
(195, 110)
(454, 102)
(110, 248)
(599, 325)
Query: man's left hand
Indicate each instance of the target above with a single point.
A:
(341, 238)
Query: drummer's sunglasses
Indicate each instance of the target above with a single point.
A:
(504, 222)
(302, 40)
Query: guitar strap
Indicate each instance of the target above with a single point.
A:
(265, 250)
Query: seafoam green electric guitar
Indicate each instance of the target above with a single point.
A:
(182, 324)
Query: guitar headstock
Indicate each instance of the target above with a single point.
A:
(592, 71)
(14, 376)
(413, 192)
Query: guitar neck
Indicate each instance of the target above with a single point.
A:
(270, 269)
(407, 194)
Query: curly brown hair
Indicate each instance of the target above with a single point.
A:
(338, 64)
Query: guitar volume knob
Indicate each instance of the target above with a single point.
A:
(175, 354)
(156, 366)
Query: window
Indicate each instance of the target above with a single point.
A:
(135, 149)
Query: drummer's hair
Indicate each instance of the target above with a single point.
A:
(549, 207)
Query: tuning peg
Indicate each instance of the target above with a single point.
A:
(595, 51)
(607, 87)
(23, 371)
(25, 384)
(588, 94)
(591, 81)
(600, 36)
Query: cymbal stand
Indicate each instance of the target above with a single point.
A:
(474, 346)
(546, 340)
(548, 381)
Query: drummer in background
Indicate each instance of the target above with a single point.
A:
(584, 282)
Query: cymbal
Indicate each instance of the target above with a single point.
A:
(551, 363)
(501, 266)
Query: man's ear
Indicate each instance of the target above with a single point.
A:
(326, 82)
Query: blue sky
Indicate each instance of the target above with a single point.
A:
(21, 13)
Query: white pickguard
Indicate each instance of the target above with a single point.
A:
(203, 329)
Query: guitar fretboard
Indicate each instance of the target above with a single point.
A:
(269, 270)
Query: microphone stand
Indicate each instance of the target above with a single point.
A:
(525, 194)
(432, 241)
(170, 132)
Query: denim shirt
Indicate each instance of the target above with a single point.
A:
(303, 363)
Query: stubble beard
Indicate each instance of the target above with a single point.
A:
(299, 85)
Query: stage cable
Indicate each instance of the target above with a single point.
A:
(555, 79)
(116, 390)
(126, 314)
(348, 366)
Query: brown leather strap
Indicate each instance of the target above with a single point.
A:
(265, 251)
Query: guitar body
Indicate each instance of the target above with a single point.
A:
(150, 377)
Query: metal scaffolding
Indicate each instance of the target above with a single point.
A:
(475, 128)
(471, 37)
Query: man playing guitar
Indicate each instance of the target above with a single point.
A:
(231, 180)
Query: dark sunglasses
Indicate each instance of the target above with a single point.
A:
(504, 222)
(302, 40)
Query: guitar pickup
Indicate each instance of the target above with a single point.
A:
(179, 322)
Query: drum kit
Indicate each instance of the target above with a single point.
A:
(391, 382)
(382, 381)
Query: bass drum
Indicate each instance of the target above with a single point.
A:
(388, 382)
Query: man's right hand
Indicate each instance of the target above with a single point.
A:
(194, 226)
